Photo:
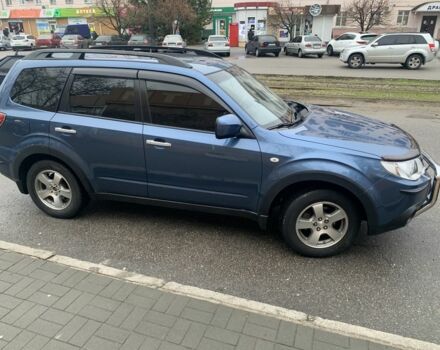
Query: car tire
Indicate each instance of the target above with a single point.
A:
(414, 62)
(320, 56)
(330, 51)
(300, 54)
(356, 61)
(257, 53)
(246, 50)
(320, 223)
(50, 184)
(277, 54)
(286, 52)
(228, 54)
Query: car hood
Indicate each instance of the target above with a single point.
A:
(354, 132)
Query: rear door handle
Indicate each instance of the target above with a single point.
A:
(158, 143)
(65, 131)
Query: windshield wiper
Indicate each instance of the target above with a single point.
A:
(286, 124)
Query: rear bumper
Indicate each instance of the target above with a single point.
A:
(269, 49)
(320, 51)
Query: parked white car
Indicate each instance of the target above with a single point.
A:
(411, 50)
(5, 42)
(173, 40)
(218, 44)
(22, 41)
(305, 45)
(346, 40)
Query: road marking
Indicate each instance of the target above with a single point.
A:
(297, 317)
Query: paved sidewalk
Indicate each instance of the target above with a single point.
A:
(45, 305)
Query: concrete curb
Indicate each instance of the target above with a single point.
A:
(345, 329)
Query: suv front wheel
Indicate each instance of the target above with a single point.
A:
(54, 189)
(414, 61)
(320, 223)
(356, 61)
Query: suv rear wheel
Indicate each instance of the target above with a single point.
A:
(356, 61)
(54, 189)
(320, 223)
(414, 61)
(330, 50)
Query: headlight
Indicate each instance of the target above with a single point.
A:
(410, 169)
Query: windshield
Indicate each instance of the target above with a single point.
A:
(267, 38)
(70, 37)
(18, 37)
(137, 38)
(265, 107)
(312, 39)
(217, 38)
(46, 36)
(173, 37)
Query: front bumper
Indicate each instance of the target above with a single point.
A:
(432, 197)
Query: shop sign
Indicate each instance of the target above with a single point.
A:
(429, 7)
(4, 14)
(221, 10)
(78, 12)
(315, 10)
(47, 13)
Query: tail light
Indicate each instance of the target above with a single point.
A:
(324, 45)
(2, 118)
(362, 42)
(226, 44)
(308, 45)
(432, 47)
(164, 44)
(210, 44)
(263, 44)
(179, 44)
(145, 41)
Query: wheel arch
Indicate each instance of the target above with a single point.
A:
(22, 167)
(279, 195)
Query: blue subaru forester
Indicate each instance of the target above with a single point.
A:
(199, 133)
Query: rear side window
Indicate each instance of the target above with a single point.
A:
(103, 97)
(312, 39)
(387, 40)
(40, 88)
(182, 107)
(405, 40)
(420, 39)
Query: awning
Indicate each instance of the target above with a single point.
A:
(428, 7)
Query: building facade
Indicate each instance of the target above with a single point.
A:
(328, 18)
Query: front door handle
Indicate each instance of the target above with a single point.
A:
(65, 131)
(158, 143)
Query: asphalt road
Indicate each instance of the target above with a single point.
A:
(328, 66)
(389, 282)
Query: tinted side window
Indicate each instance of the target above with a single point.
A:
(103, 97)
(40, 88)
(405, 39)
(387, 40)
(182, 107)
(420, 39)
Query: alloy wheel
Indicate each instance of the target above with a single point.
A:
(322, 225)
(414, 62)
(53, 189)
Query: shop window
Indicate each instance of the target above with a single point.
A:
(8, 2)
(341, 19)
(402, 18)
(53, 2)
(69, 2)
(88, 2)
(38, 2)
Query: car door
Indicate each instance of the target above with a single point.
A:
(344, 41)
(297, 44)
(381, 50)
(403, 44)
(185, 161)
(98, 124)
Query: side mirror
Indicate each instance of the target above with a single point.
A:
(374, 45)
(227, 126)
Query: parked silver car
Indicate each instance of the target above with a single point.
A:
(218, 44)
(73, 41)
(346, 40)
(5, 42)
(411, 50)
(305, 45)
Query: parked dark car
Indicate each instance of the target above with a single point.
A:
(104, 40)
(48, 40)
(263, 44)
(200, 133)
(142, 39)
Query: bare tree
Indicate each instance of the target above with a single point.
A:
(115, 14)
(368, 13)
(287, 16)
(169, 11)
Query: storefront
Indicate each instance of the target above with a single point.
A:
(252, 15)
(320, 19)
(221, 18)
(43, 21)
(426, 17)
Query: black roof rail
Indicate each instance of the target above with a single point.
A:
(158, 49)
(80, 54)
